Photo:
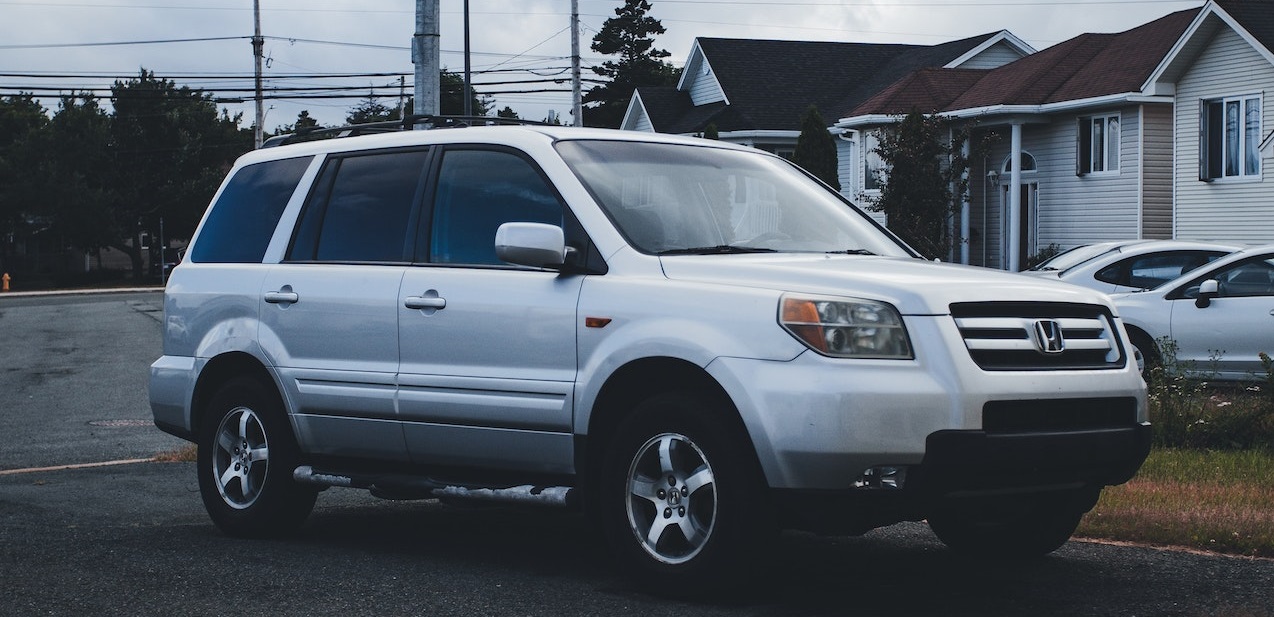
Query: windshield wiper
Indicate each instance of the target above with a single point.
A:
(851, 252)
(720, 249)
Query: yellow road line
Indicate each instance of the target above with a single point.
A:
(9, 472)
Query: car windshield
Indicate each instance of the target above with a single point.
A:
(1073, 257)
(685, 199)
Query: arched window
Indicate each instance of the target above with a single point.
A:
(1028, 163)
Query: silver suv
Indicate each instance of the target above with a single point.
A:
(695, 343)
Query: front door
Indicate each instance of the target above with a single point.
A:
(1027, 230)
(488, 349)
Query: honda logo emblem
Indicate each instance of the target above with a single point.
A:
(1048, 337)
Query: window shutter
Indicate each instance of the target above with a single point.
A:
(1084, 146)
(1211, 140)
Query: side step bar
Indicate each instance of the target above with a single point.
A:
(398, 486)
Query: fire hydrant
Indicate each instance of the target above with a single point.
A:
(5, 280)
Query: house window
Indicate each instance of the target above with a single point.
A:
(872, 163)
(1099, 140)
(1230, 138)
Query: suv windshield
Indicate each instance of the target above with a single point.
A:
(684, 199)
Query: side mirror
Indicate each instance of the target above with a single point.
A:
(1207, 291)
(531, 244)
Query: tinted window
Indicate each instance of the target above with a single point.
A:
(1252, 278)
(242, 221)
(1149, 271)
(362, 209)
(478, 190)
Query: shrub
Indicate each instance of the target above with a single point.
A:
(1191, 412)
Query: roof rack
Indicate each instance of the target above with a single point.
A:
(407, 123)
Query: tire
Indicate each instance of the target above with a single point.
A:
(1145, 347)
(246, 457)
(1018, 527)
(682, 500)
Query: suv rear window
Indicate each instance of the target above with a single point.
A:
(241, 222)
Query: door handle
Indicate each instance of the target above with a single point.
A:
(425, 302)
(282, 296)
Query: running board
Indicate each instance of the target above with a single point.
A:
(399, 486)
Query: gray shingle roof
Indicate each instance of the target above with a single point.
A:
(1256, 16)
(770, 83)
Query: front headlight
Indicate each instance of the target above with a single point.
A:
(846, 327)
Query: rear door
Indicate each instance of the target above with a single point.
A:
(329, 312)
(488, 349)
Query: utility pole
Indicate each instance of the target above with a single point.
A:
(577, 109)
(468, 84)
(258, 50)
(426, 55)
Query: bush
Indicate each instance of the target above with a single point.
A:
(1190, 412)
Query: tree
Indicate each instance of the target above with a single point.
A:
(78, 168)
(372, 110)
(22, 119)
(815, 148)
(451, 102)
(170, 152)
(303, 122)
(507, 112)
(627, 35)
(922, 156)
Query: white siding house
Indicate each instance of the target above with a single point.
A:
(1222, 75)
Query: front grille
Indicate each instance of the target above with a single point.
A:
(1054, 415)
(1038, 336)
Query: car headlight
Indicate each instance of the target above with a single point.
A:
(846, 327)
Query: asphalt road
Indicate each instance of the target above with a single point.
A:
(132, 539)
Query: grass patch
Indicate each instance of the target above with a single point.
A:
(1220, 501)
(184, 454)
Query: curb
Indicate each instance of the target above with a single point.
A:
(76, 292)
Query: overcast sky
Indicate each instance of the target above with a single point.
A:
(511, 40)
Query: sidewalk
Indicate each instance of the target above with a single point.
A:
(71, 292)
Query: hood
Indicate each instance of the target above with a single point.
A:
(913, 286)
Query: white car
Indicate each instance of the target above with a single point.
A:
(692, 342)
(1129, 265)
(1220, 317)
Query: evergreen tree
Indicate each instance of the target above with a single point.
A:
(372, 110)
(815, 148)
(507, 112)
(922, 162)
(451, 102)
(303, 122)
(639, 63)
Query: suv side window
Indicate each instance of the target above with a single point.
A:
(362, 209)
(478, 190)
(240, 224)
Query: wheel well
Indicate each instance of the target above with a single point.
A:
(1136, 335)
(220, 370)
(639, 380)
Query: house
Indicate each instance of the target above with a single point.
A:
(731, 84)
(1221, 75)
(1093, 146)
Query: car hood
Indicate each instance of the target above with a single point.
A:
(913, 286)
